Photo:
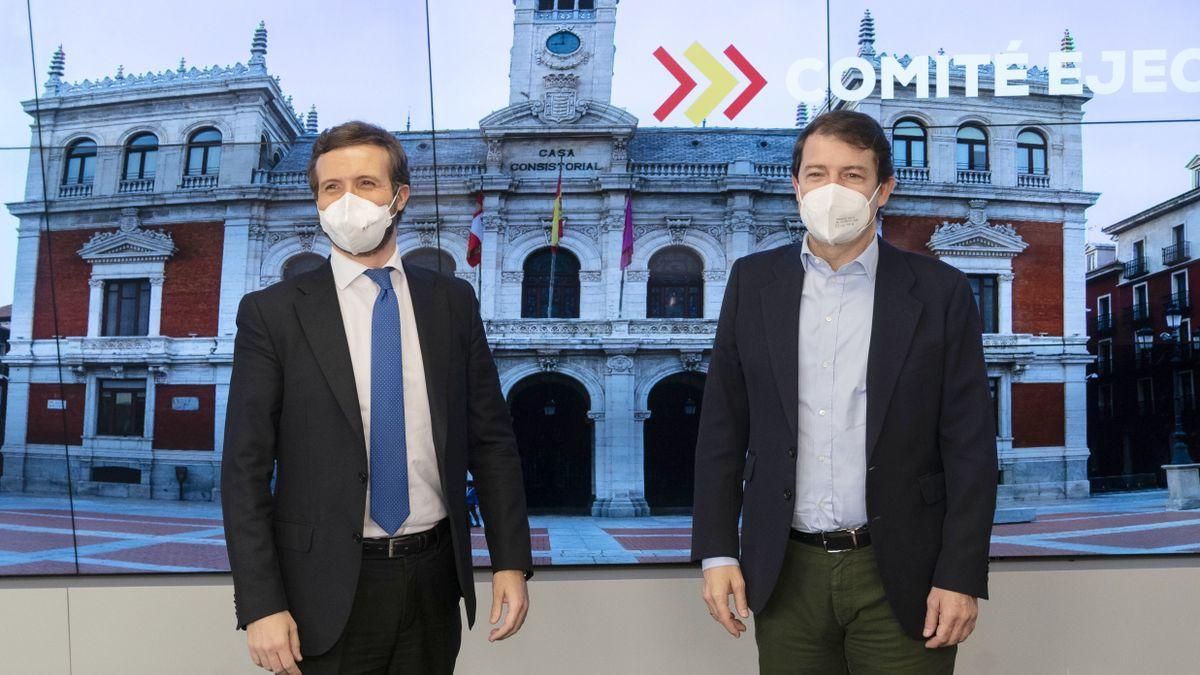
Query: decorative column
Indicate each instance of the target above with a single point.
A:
(156, 291)
(619, 472)
(96, 306)
(1005, 290)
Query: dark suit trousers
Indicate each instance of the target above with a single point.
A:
(405, 618)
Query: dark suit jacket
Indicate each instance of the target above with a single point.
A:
(930, 433)
(293, 408)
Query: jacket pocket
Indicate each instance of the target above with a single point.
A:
(933, 487)
(749, 470)
(292, 535)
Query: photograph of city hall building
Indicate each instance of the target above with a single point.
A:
(172, 194)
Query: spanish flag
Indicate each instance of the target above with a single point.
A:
(556, 219)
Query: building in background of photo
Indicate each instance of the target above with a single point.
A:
(171, 195)
(1139, 308)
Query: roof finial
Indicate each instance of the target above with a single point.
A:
(866, 35)
(58, 66)
(310, 120)
(1068, 42)
(801, 115)
(182, 64)
(258, 46)
(408, 121)
(121, 72)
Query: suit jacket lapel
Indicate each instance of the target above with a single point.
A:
(321, 320)
(893, 320)
(780, 301)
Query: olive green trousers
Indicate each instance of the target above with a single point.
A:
(828, 614)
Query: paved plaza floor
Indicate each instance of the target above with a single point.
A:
(38, 534)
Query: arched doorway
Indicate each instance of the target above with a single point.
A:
(670, 442)
(554, 436)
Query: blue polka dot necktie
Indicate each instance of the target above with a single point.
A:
(389, 453)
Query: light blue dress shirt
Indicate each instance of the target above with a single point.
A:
(835, 337)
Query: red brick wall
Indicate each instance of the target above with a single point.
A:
(1038, 270)
(184, 429)
(45, 425)
(192, 290)
(1038, 417)
(70, 291)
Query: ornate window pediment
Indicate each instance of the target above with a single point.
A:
(976, 237)
(129, 243)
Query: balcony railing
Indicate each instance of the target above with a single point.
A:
(134, 185)
(1104, 324)
(1178, 299)
(919, 174)
(1138, 316)
(1033, 180)
(973, 177)
(1135, 267)
(1175, 253)
(199, 182)
(75, 191)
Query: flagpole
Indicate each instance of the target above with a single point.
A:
(550, 304)
(554, 220)
(621, 297)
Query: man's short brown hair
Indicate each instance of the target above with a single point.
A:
(360, 133)
(849, 126)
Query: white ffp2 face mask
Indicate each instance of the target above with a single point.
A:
(836, 214)
(355, 224)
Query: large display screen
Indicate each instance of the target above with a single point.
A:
(153, 166)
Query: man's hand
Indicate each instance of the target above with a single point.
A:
(274, 643)
(719, 583)
(949, 617)
(508, 588)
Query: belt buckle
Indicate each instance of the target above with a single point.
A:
(391, 547)
(853, 540)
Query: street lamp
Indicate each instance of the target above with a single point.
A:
(1179, 446)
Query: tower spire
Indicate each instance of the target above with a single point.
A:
(866, 35)
(310, 120)
(58, 66)
(258, 47)
(801, 115)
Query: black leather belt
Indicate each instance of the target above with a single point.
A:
(407, 544)
(835, 541)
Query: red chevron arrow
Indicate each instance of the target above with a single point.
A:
(757, 82)
(686, 84)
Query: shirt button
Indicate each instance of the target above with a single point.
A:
(824, 364)
(821, 412)
(787, 494)
(362, 476)
(828, 319)
(823, 458)
(792, 451)
(357, 538)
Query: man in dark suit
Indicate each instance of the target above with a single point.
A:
(367, 386)
(847, 420)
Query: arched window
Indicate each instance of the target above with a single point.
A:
(908, 144)
(428, 258)
(536, 287)
(275, 158)
(972, 148)
(141, 156)
(80, 163)
(676, 286)
(299, 264)
(204, 153)
(1031, 153)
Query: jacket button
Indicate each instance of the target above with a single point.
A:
(871, 468)
(787, 494)
(357, 538)
(792, 452)
(362, 476)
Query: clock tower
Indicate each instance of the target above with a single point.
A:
(562, 55)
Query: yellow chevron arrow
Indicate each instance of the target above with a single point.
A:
(722, 83)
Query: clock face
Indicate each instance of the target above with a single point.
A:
(563, 42)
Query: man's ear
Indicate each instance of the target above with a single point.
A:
(885, 190)
(401, 199)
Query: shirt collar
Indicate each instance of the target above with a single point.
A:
(868, 260)
(346, 269)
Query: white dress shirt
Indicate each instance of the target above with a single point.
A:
(356, 296)
(834, 341)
